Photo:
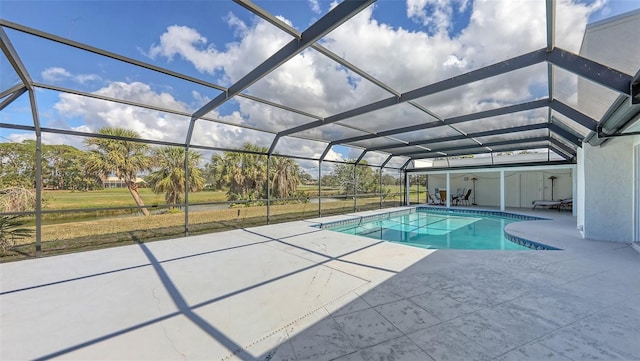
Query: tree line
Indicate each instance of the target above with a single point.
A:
(64, 167)
(243, 174)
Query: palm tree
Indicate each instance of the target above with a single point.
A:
(170, 176)
(124, 158)
(244, 173)
(10, 230)
(11, 226)
(285, 178)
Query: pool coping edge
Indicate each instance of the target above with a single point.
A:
(512, 238)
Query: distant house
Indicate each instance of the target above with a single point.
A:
(115, 182)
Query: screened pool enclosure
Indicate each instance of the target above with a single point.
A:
(285, 113)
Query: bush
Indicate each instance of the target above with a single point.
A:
(10, 230)
(17, 199)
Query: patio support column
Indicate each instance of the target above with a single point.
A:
(502, 190)
(380, 186)
(268, 189)
(355, 186)
(38, 186)
(574, 190)
(417, 188)
(186, 190)
(407, 200)
(426, 188)
(381, 169)
(448, 190)
(38, 165)
(324, 154)
(319, 188)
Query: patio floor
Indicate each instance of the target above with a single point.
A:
(294, 292)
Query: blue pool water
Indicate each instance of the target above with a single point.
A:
(438, 230)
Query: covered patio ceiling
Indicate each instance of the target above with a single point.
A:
(436, 119)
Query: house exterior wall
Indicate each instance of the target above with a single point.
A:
(580, 191)
(636, 191)
(609, 190)
(609, 43)
(606, 194)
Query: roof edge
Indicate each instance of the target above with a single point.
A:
(605, 21)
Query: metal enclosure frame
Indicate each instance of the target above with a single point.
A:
(560, 138)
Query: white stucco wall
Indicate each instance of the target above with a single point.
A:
(614, 43)
(487, 192)
(617, 33)
(580, 191)
(636, 190)
(605, 187)
(522, 187)
(609, 193)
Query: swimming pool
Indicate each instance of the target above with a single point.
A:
(436, 228)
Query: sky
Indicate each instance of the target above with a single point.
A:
(405, 44)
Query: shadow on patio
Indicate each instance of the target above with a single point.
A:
(291, 292)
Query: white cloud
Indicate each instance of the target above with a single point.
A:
(435, 15)
(403, 59)
(374, 158)
(188, 43)
(315, 6)
(497, 31)
(571, 20)
(85, 78)
(240, 28)
(257, 43)
(454, 62)
(304, 148)
(18, 137)
(149, 124)
(152, 124)
(57, 75)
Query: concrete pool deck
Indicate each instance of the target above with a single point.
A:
(294, 292)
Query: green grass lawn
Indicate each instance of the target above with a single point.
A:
(74, 231)
(74, 235)
(81, 230)
(118, 197)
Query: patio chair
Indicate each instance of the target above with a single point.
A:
(438, 196)
(432, 199)
(566, 203)
(459, 193)
(464, 198)
(443, 196)
(553, 204)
